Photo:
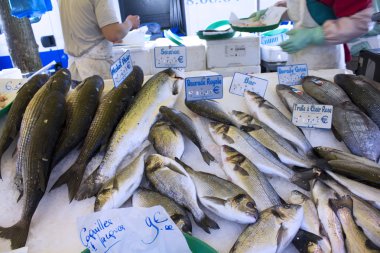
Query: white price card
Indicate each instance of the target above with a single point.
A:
(312, 116)
(131, 230)
(121, 68)
(241, 82)
(9, 85)
(204, 87)
(292, 74)
(170, 57)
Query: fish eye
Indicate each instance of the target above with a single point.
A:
(287, 206)
(250, 205)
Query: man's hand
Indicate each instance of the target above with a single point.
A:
(134, 21)
(302, 38)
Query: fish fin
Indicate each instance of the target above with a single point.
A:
(19, 185)
(115, 184)
(345, 201)
(302, 179)
(281, 235)
(184, 165)
(228, 139)
(241, 170)
(174, 169)
(90, 187)
(336, 134)
(17, 233)
(172, 129)
(370, 245)
(207, 157)
(20, 196)
(186, 228)
(250, 128)
(206, 223)
(215, 200)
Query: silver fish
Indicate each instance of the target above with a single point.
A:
(246, 175)
(273, 232)
(331, 224)
(356, 241)
(271, 140)
(172, 180)
(366, 216)
(264, 111)
(256, 153)
(133, 129)
(284, 187)
(291, 96)
(324, 91)
(357, 130)
(147, 198)
(222, 197)
(116, 191)
(167, 140)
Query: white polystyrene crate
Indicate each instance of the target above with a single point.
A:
(234, 52)
(273, 54)
(141, 56)
(195, 52)
(228, 72)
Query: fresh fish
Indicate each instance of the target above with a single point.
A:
(356, 241)
(81, 107)
(185, 124)
(40, 128)
(329, 154)
(172, 180)
(284, 187)
(307, 242)
(166, 139)
(256, 153)
(362, 94)
(366, 216)
(108, 114)
(222, 197)
(247, 176)
(264, 111)
(363, 191)
(324, 91)
(210, 109)
(291, 96)
(359, 133)
(148, 198)
(331, 224)
(272, 140)
(116, 191)
(374, 84)
(310, 221)
(273, 232)
(15, 114)
(133, 129)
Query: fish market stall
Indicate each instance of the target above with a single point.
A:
(53, 227)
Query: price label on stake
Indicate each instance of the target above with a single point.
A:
(312, 116)
(121, 68)
(170, 57)
(204, 87)
(241, 82)
(292, 74)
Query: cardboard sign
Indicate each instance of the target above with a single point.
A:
(312, 116)
(121, 68)
(170, 57)
(204, 87)
(241, 82)
(292, 74)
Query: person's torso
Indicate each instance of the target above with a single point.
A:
(345, 8)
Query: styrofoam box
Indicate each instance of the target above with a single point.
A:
(141, 56)
(234, 52)
(364, 43)
(196, 53)
(273, 54)
(228, 72)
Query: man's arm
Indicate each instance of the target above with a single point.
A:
(117, 31)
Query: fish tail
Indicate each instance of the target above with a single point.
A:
(17, 233)
(207, 157)
(206, 223)
(345, 201)
(302, 179)
(90, 187)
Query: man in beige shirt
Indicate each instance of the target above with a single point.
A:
(90, 27)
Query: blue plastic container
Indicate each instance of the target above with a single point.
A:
(29, 8)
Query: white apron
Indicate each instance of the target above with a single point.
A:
(97, 61)
(316, 57)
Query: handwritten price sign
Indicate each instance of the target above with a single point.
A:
(121, 68)
(131, 230)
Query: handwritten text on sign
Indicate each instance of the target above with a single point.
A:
(121, 68)
(292, 74)
(312, 116)
(131, 230)
(170, 57)
(241, 83)
(204, 87)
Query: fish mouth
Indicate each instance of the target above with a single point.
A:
(175, 88)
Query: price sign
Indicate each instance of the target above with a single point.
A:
(312, 116)
(241, 82)
(292, 74)
(170, 57)
(121, 68)
(204, 87)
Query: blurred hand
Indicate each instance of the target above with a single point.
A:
(281, 4)
(134, 20)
